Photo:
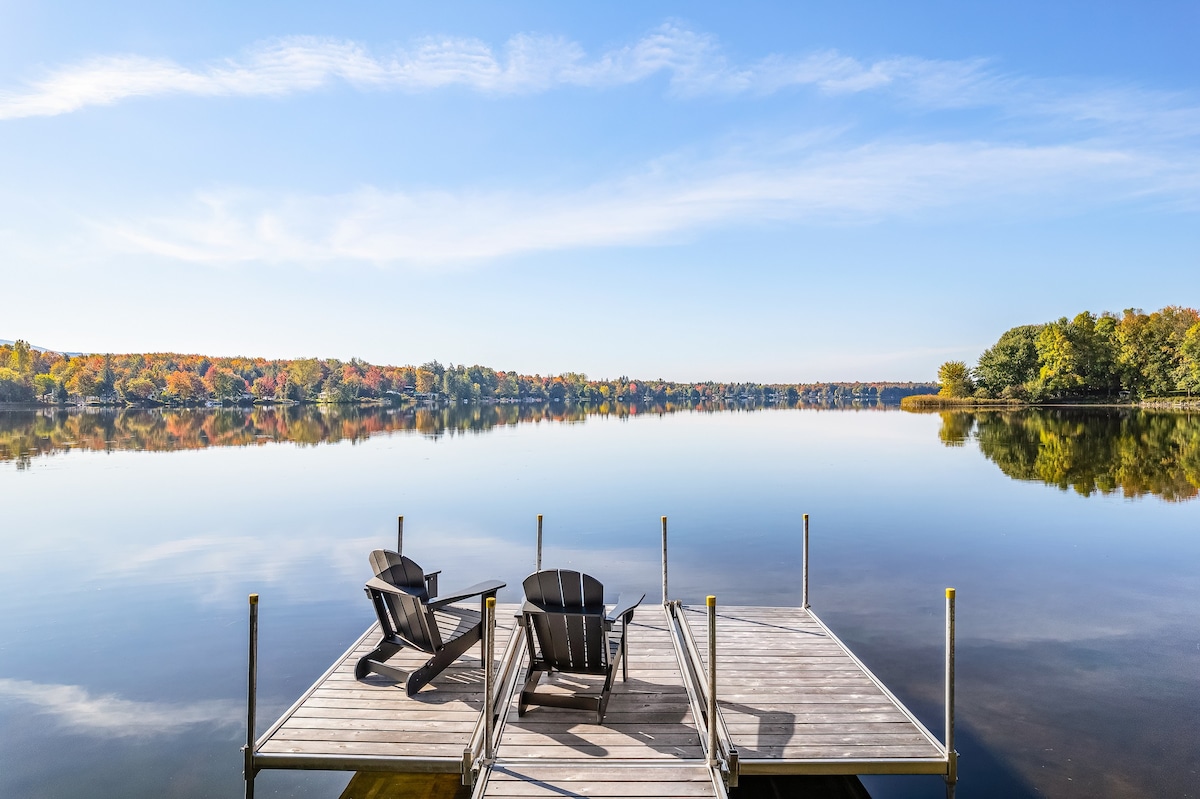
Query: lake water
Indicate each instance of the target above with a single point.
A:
(131, 540)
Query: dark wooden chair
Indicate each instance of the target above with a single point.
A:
(400, 592)
(567, 629)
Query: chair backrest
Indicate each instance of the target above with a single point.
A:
(404, 615)
(570, 629)
(398, 570)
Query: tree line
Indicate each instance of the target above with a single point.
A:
(1135, 355)
(31, 375)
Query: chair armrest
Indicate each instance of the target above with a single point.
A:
(622, 610)
(387, 588)
(529, 607)
(431, 583)
(486, 588)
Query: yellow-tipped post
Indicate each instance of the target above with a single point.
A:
(489, 689)
(711, 603)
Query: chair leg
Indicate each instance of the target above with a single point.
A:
(602, 704)
(438, 663)
(531, 682)
(379, 654)
(624, 659)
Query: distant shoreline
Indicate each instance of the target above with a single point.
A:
(934, 402)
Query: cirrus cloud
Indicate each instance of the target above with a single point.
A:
(854, 185)
(693, 63)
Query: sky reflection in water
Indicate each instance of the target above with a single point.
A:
(126, 571)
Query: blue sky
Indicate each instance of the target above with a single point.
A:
(753, 191)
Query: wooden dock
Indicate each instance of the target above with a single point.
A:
(769, 691)
(791, 699)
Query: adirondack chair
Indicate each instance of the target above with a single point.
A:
(567, 629)
(400, 593)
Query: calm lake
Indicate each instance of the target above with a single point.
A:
(131, 540)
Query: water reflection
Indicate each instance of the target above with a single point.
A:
(111, 715)
(27, 434)
(1127, 451)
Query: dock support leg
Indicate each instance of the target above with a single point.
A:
(951, 755)
(399, 535)
(248, 769)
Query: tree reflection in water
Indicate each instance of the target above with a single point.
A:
(27, 434)
(1130, 451)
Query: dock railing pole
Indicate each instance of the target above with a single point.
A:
(804, 568)
(664, 558)
(711, 602)
(399, 535)
(537, 565)
(489, 688)
(951, 755)
(251, 700)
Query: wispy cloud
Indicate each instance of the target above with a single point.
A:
(825, 185)
(692, 62)
(109, 714)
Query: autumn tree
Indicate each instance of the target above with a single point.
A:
(44, 384)
(425, 380)
(20, 359)
(1187, 373)
(263, 387)
(1148, 348)
(305, 374)
(955, 378)
(184, 386)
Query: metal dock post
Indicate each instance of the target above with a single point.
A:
(537, 565)
(248, 769)
(489, 687)
(804, 568)
(951, 755)
(711, 602)
(664, 559)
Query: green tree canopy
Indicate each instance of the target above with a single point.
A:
(1011, 361)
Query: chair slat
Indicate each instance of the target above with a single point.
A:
(572, 588)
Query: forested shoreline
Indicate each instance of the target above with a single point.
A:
(1132, 357)
(30, 375)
